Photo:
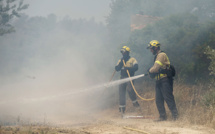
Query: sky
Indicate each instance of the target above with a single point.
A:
(74, 8)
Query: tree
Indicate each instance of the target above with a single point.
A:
(121, 11)
(211, 55)
(8, 10)
(119, 19)
(209, 98)
(184, 39)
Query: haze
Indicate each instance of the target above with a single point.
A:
(57, 49)
(76, 9)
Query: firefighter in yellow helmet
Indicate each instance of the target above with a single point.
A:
(131, 65)
(164, 82)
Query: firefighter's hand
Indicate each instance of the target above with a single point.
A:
(121, 62)
(148, 70)
(127, 68)
(148, 73)
(151, 75)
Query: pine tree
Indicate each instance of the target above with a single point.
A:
(8, 10)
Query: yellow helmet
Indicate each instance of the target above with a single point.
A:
(125, 49)
(153, 43)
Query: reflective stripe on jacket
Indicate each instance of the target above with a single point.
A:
(161, 61)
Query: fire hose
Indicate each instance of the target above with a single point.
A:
(141, 131)
(134, 87)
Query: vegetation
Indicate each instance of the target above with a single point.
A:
(8, 10)
(184, 39)
(37, 129)
(211, 55)
(40, 38)
(186, 32)
(209, 98)
(121, 11)
(183, 34)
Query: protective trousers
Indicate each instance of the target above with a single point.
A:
(164, 92)
(122, 94)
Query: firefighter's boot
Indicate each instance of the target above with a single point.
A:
(136, 104)
(122, 110)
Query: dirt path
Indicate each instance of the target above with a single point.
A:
(114, 124)
(110, 123)
(134, 126)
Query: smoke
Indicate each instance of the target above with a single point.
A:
(45, 60)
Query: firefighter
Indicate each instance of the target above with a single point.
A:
(164, 83)
(131, 65)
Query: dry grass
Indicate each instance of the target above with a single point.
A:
(29, 129)
(188, 100)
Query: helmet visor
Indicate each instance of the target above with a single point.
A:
(149, 46)
(122, 50)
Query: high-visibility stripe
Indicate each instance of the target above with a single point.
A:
(160, 76)
(121, 106)
(159, 63)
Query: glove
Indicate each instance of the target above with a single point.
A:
(121, 62)
(148, 73)
(127, 68)
(152, 75)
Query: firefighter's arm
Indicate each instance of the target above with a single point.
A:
(119, 65)
(158, 64)
(134, 67)
(155, 68)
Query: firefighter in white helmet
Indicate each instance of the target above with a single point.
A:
(164, 82)
(131, 65)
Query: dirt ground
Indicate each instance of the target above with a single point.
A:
(109, 122)
(112, 123)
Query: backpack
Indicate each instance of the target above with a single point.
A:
(171, 71)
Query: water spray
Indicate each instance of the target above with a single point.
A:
(105, 85)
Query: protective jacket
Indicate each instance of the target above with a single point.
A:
(130, 64)
(164, 86)
(161, 62)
